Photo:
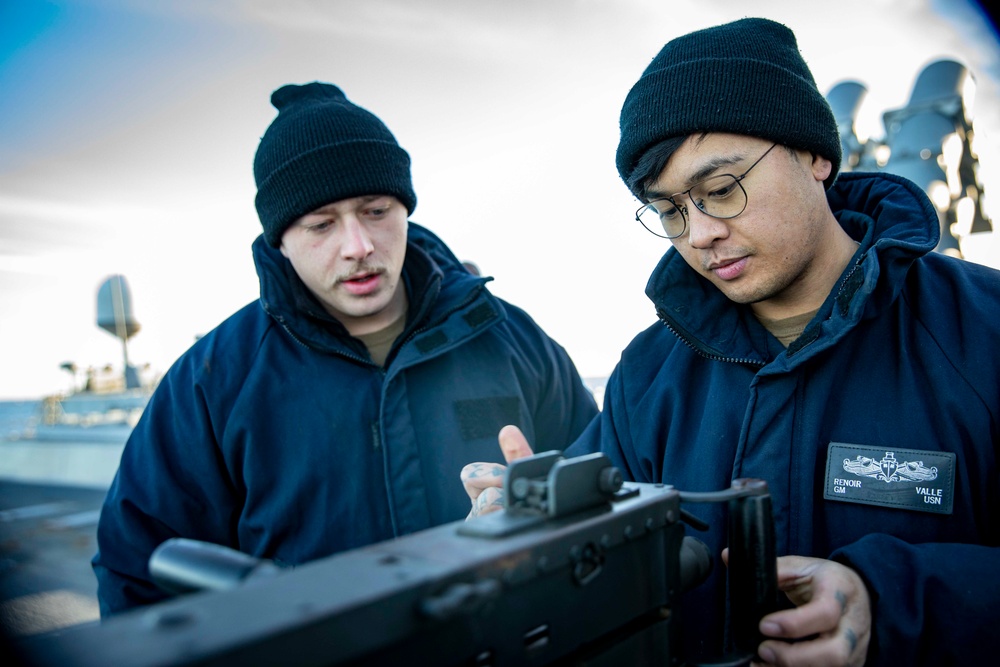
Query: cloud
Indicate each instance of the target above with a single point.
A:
(130, 127)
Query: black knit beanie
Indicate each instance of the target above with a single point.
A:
(321, 148)
(746, 77)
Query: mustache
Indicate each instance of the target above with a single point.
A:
(359, 270)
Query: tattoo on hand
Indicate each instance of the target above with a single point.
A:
(485, 470)
(852, 639)
(842, 599)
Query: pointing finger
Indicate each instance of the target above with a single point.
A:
(513, 443)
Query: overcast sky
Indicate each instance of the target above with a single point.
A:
(128, 129)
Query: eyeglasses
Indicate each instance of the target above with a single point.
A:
(721, 197)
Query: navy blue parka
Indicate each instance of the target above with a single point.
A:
(901, 363)
(277, 435)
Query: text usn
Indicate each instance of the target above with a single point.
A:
(931, 496)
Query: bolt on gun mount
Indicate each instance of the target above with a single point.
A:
(579, 569)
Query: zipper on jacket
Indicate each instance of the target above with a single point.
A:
(848, 279)
(346, 354)
(701, 351)
(846, 292)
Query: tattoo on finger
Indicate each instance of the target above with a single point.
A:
(485, 470)
(852, 639)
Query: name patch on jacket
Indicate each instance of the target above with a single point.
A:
(904, 478)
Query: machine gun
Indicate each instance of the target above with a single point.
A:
(580, 569)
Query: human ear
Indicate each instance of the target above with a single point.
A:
(821, 167)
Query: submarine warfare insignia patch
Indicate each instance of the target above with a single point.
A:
(902, 478)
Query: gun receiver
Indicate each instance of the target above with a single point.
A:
(580, 569)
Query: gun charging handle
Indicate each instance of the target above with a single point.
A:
(181, 565)
(752, 568)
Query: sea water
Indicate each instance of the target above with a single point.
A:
(17, 417)
(64, 463)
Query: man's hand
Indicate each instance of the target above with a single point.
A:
(484, 481)
(833, 610)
